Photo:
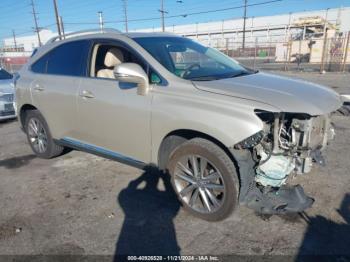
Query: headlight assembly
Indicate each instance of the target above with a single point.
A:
(250, 141)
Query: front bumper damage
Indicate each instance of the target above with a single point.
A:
(282, 200)
(289, 144)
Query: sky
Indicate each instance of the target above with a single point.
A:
(82, 14)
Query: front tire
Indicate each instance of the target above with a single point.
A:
(39, 136)
(204, 179)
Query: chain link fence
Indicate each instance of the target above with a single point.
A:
(313, 54)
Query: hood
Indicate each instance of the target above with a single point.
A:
(285, 94)
(6, 87)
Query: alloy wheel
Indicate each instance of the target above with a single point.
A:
(37, 135)
(199, 183)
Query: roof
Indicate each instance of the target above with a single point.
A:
(87, 33)
(150, 34)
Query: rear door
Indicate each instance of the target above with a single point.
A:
(54, 90)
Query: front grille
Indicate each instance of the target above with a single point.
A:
(7, 97)
(9, 107)
(7, 113)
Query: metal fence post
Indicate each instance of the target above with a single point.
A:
(226, 43)
(323, 53)
(346, 53)
(290, 43)
(255, 49)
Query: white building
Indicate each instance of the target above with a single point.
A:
(26, 44)
(263, 29)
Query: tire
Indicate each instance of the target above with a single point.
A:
(213, 165)
(48, 148)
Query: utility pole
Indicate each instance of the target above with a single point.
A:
(244, 22)
(162, 12)
(57, 20)
(35, 22)
(100, 17)
(125, 6)
(61, 26)
(14, 40)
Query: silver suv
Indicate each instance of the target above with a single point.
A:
(7, 96)
(226, 134)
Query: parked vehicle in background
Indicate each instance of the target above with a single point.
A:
(226, 134)
(7, 96)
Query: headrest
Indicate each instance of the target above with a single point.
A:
(114, 57)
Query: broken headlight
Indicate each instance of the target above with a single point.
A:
(250, 141)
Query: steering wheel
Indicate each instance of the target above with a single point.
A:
(189, 68)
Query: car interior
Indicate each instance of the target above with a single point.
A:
(106, 57)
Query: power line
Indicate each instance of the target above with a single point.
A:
(177, 15)
(7, 8)
(224, 9)
(197, 13)
(26, 32)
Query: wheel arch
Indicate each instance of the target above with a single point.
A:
(22, 112)
(176, 137)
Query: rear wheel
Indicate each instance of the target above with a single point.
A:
(204, 179)
(39, 136)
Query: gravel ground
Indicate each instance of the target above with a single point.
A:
(83, 204)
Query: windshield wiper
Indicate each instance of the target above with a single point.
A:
(209, 78)
(241, 73)
(204, 78)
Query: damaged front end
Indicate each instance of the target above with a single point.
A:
(288, 145)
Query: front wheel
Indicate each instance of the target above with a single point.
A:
(204, 179)
(39, 136)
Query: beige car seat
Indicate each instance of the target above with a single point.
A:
(113, 58)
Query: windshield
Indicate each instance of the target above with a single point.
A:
(190, 60)
(4, 74)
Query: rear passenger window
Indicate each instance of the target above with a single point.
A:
(40, 65)
(69, 59)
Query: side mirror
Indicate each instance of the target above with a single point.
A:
(133, 73)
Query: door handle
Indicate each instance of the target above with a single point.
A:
(38, 87)
(87, 94)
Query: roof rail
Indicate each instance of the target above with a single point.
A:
(85, 32)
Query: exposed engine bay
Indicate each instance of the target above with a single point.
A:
(289, 145)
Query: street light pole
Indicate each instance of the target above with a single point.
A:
(100, 20)
(57, 19)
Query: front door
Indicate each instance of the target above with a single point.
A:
(110, 114)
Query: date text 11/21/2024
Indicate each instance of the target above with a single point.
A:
(173, 258)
